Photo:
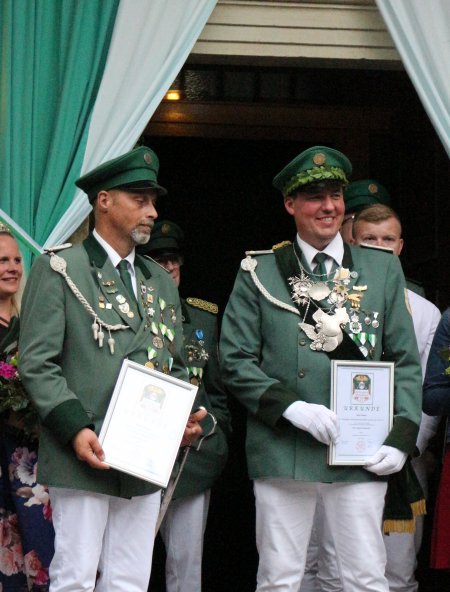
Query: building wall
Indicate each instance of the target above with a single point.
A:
(341, 31)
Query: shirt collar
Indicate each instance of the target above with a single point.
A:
(113, 254)
(334, 250)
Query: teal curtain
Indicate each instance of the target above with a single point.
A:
(52, 57)
(421, 32)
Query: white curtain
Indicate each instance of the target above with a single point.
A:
(421, 32)
(151, 41)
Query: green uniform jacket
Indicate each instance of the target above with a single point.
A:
(68, 376)
(204, 466)
(267, 363)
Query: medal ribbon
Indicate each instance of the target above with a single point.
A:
(166, 331)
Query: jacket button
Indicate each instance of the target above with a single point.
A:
(302, 342)
(301, 374)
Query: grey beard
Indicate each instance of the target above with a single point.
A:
(140, 238)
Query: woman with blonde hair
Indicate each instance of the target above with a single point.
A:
(26, 531)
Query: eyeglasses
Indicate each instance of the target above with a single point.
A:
(174, 260)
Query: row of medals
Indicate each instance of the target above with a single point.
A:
(366, 341)
(195, 351)
(160, 330)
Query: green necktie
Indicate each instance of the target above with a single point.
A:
(122, 266)
(320, 268)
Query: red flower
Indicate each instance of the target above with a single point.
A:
(7, 371)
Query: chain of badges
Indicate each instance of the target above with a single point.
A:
(344, 306)
(327, 334)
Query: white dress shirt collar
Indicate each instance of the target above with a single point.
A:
(334, 250)
(115, 258)
(112, 253)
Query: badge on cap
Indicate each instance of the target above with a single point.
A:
(319, 158)
(165, 228)
(373, 188)
(148, 158)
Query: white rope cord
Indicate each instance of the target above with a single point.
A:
(249, 264)
(60, 265)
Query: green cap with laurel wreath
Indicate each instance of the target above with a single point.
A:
(314, 165)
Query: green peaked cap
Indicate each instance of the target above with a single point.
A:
(137, 170)
(313, 165)
(365, 192)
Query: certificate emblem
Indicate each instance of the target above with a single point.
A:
(362, 387)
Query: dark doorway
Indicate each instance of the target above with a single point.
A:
(221, 194)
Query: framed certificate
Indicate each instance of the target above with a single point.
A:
(145, 422)
(362, 396)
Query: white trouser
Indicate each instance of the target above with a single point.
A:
(321, 573)
(104, 536)
(284, 518)
(182, 531)
(321, 570)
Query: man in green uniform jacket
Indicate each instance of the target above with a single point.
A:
(292, 310)
(184, 524)
(83, 314)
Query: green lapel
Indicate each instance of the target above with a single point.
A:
(110, 284)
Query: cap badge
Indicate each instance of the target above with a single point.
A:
(373, 188)
(319, 158)
(165, 228)
(148, 158)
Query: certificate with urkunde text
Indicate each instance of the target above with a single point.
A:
(362, 396)
(145, 422)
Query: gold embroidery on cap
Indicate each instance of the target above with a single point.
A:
(319, 158)
(165, 228)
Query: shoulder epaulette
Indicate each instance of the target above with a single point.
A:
(203, 305)
(282, 245)
(251, 253)
(57, 248)
(377, 248)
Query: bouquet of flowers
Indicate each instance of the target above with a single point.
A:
(13, 397)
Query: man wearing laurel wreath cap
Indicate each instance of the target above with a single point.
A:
(293, 309)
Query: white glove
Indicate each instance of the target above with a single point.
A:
(386, 461)
(318, 420)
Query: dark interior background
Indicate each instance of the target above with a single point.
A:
(219, 149)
